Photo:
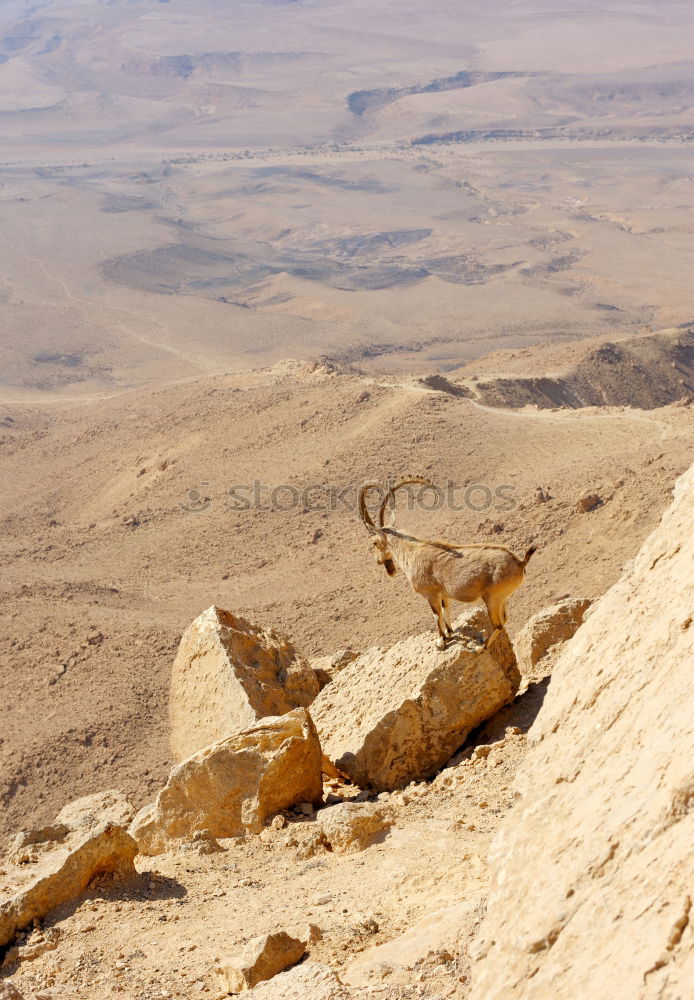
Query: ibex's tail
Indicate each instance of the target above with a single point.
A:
(526, 558)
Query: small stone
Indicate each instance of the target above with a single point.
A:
(591, 501)
(312, 934)
(367, 922)
(261, 959)
(204, 842)
(352, 827)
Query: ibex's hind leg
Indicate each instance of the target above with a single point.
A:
(496, 608)
(436, 606)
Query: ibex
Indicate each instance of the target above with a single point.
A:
(442, 572)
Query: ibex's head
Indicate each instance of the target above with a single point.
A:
(384, 557)
(379, 539)
(381, 533)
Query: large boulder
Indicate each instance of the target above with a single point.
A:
(327, 667)
(232, 786)
(227, 675)
(32, 890)
(397, 715)
(262, 958)
(78, 816)
(592, 870)
(550, 627)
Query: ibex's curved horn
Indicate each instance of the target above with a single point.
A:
(363, 510)
(390, 495)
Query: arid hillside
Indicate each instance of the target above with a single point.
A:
(124, 518)
(653, 369)
(401, 894)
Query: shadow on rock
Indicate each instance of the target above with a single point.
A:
(521, 714)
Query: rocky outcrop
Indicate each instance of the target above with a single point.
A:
(261, 959)
(227, 675)
(79, 816)
(592, 871)
(549, 627)
(327, 667)
(308, 981)
(346, 828)
(232, 786)
(397, 715)
(62, 874)
(111, 806)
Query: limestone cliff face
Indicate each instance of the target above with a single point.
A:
(592, 873)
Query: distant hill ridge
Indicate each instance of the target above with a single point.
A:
(645, 372)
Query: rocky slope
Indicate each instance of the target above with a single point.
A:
(257, 862)
(592, 870)
(118, 529)
(384, 894)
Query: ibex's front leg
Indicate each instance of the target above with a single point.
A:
(436, 605)
(496, 606)
(447, 615)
